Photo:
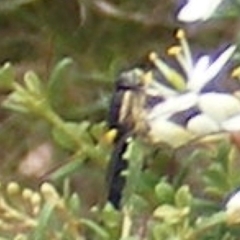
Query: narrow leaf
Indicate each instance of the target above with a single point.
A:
(66, 170)
(44, 222)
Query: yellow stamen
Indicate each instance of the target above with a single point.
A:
(171, 75)
(153, 56)
(110, 136)
(187, 63)
(236, 73)
(180, 34)
(174, 50)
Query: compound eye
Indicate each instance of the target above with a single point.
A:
(130, 79)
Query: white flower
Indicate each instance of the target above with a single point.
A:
(217, 111)
(196, 10)
(198, 73)
(198, 76)
(187, 89)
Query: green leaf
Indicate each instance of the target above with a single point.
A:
(66, 188)
(139, 203)
(100, 231)
(204, 205)
(6, 76)
(163, 231)
(223, 154)
(65, 138)
(134, 154)
(57, 81)
(98, 130)
(70, 135)
(186, 166)
(67, 170)
(216, 177)
(206, 223)
(59, 71)
(164, 192)
(74, 204)
(134, 151)
(33, 83)
(171, 214)
(183, 197)
(214, 191)
(44, 222)
(13, 102)
(110, 216)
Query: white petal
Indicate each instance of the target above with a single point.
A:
(202, 64)
(234, 202)
(197, 77)
(219, 106)
(204, 73)
(196, 10)
(232, 124)
(173, 105)
(202, 125)
(218, 64)
(158, 89)
(168, 132)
